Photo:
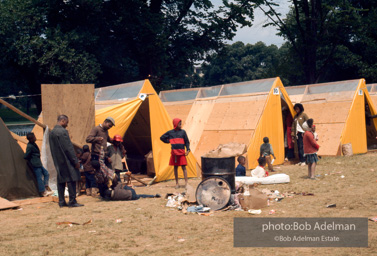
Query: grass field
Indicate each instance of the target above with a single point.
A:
(10, 117)
(147, 227)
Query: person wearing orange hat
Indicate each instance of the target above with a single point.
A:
(178, 140)
(116, 153)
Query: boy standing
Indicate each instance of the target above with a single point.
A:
(178, 140)
(266, 151)
(33, 155)
(241, 170)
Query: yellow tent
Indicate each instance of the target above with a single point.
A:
(141, 122)
(241, 112)
(338, 110)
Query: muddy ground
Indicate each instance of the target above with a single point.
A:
(147, 227)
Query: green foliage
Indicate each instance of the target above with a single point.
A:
(240, 62)
(112, 41)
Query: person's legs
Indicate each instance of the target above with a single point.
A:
(72, 192)
(300, 146)
(268, 160)
(38, 174)
(185, 174)
(313, 170)
(176, 176)
(134, 195)
(46, 176)
(309, 170)
(117, 172)
(61, 188)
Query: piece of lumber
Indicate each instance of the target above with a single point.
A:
(36, 200)
(30, 118)
(152, 181)
(5, 204)
(139, 180)
(21, 113)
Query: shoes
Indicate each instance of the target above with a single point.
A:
(75, 205)
(157, 196)
(89, 191)
(47, 193)
(302, 164)
(63, 205)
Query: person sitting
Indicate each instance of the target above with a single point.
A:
(259, 171)
(241, 170)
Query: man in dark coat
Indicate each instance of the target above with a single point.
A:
(66, 162)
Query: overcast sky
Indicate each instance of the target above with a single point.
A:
(256, 33)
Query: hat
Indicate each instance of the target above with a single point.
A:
(117, 137)
(109, 118)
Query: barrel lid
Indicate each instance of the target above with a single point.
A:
(213, 192)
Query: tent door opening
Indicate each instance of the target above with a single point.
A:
(137, 140)
(370, 127)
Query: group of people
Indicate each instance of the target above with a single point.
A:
(101, 165)
(300, 129)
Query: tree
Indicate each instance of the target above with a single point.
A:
(239, 62)
(315, 30)
(113, 41)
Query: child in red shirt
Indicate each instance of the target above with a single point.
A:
(310, 149)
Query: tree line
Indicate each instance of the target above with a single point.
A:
(108, 42)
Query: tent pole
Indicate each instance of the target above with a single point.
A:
(30, 118)
(22, 113)
(152, 181)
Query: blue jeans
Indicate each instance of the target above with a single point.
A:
(90, 181)
(136, 196)
(39, 172)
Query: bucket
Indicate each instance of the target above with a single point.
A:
(220, 167)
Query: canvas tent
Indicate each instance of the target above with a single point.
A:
(178, 102)
(141, 122)
(17, 180)
(242, 112)
(338, 110)
(116, 94)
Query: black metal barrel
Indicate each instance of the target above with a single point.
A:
(220, 167)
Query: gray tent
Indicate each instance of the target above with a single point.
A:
(17, 179)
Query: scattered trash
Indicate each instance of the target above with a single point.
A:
(331, 206)
(279, 199)
(342, 176)
(198, 208)
(254, 212)
(138, 209)
(205, 213)
(118, 220)
(19, 209)
(69, 223)
(338, 162)
(92, 231)
(374, 219)
(372, 170)
(272, 212)
(181, 240)
(277, 192)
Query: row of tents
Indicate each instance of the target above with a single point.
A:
(242, 112)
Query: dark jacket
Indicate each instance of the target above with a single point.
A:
(86, 162)
(93, 137)
(33, 154)
(178, 140)
(64, 156)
